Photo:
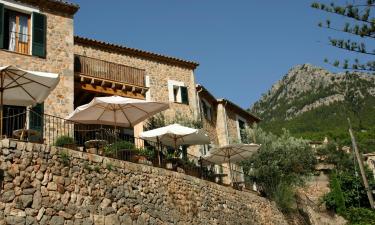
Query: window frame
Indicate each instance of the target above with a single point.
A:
(19, 7)
(206, 109)
(17, 43)
(174, 91)
(238, 119)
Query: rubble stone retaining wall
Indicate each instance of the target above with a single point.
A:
(50, 185)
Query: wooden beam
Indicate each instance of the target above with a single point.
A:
(109, 91)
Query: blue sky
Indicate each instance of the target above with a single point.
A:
(243, 46)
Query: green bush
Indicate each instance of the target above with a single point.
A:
(281, 163)
(347, 174)
(65, 158)
(147, 152)
(360, 216)
(285, 198)
(120, 145)
(335, 198)
(63, 140)
(109, 166)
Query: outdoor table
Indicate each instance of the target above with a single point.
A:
(25, 132)
(97, 143)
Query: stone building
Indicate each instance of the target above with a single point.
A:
(138, 74)
(39, 36)
(44, 43)
(224, 122)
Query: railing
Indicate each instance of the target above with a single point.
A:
(104, 140)
(109, 71)
(19, 42)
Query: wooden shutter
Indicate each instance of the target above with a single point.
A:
(36, 122)
(39, 35)
(184, 95)
(1, 25)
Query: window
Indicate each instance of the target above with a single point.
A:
(241, 126)
(17, 32)
(178, 92)
(22, 32)
(206, 110)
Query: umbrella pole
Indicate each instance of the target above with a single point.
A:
(175, 146)
(158, 148)
(230, 171)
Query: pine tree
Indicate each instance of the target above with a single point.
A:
(359, 22)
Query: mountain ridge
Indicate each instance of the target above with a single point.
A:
(312, 102)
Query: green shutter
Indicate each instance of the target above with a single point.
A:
(36, 122)
(1, 25)
(39, 35)
(184, 95)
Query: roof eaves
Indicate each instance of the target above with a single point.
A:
(136, 52)
(64, 6)
(223, 100)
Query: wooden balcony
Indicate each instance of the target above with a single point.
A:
(109, 71)
(109, 78)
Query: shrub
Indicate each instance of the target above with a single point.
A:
(335, 198)
(65, 158)
(63, 140)
(285, 198)
(281, 163)
(109, 166)
(360, 216)
(147, 152)
(347, 175)
(120, 145)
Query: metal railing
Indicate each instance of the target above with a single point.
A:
(31, 126)
(19, 42)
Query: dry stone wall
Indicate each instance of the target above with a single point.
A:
(49, 185)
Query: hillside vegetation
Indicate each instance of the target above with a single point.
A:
(313, 103)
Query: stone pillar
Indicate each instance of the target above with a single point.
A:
(138, 129)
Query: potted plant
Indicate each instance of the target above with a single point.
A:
(171, 161)
(113, 150)
(145, 155)
(65, 142)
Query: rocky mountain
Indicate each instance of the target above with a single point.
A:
(313, 102)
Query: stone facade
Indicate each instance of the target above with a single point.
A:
(223, 126)
(158, 72)
(59, 59)
(49, 185)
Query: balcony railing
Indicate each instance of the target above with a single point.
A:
(105, 70)
(19, 42)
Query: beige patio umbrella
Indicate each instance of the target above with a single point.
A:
(116, 111)
(175, 135)
(24, 88)
(231, 153)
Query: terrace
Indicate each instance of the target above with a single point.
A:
(105, 141)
